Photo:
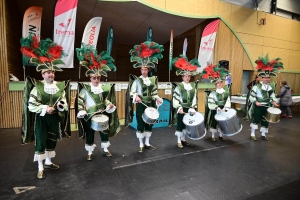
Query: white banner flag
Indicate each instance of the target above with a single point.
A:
(64, 28)
(207, 43)
(32, 22)
(91, 31)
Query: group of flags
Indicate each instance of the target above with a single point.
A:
(64, 32)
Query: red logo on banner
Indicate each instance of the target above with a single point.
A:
(66, 24)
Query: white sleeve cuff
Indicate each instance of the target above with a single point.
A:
(110, 110)
(58, 108)
(179, 109)
(191, 110)
(81, 114)
(44, 110)
(133, 98)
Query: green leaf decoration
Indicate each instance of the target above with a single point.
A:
(57, 68)
(103, 73)
(58, 62)
(137, 65)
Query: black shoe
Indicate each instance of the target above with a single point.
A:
(150, 147)
(52, 166)
(264, 138)
(185, 143)
(221, 138)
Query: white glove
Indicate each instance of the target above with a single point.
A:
(109, 109)
(192, 111)
(81, 114)
(60, 106)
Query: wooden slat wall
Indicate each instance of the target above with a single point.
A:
(4, 108)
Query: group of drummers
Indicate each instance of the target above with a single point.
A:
(46, 108)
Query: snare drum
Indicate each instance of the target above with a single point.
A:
(273, 115)
(195, 128)
(100, 122)
(150, 115)
(228, 122)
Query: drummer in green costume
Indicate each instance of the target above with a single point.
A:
(142, 90)
(263, 95)
(45, 103)
(185, 94)
(218, 100)
(94, 99)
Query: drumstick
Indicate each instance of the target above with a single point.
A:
(144, 104)
(100, 111)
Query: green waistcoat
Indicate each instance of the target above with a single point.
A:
(50, 99)
(187, 96)
(99, 99)
(147, 90)
(266, 94)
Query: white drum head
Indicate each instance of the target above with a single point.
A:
(223, 116)
(194, 120)
(275, 111)
(100, 118)
(151, 113)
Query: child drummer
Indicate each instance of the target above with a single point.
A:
(218, 99)
(184, 95)
(262, 95)
(95, 98)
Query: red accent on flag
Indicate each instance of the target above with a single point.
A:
(211, 28)
(63, 6)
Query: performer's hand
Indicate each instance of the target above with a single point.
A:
(275, 104)
(181, 111)
(218, 109)
(138, 99)
(258, 103)
(158, 101)
(50, 110)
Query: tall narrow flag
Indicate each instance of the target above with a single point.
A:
(91, 33)
(207, 43)
(185, 44)
(31, 25)
(171, 54)
(171, 50)
(64, 28)
(149, 34)
(110, 39)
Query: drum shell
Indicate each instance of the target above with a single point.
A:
(231, 126)
(271, 117)
(100, 126)
(147, 119)
(194, 131)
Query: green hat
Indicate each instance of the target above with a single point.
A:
(267, 68)
(146, 54)
(44, 53)
(95, 64)
(185, 67)
(214, 72)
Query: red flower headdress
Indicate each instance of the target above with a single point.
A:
(267, 68)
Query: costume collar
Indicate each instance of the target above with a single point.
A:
(50, 88)
(96, 89)
(220, 90)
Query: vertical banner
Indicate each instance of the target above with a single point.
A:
(185, 44)
(149, 34)
(171, 53)
(206, 49)
(31, 25)
(110, 39)
(91, 31)
(64, 28)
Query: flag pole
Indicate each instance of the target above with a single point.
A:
(171, 54)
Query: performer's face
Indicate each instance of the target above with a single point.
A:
(49, 76)
(266, 80)
(186, 78)
(219, 84)
(144, 71)
(95, 80)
